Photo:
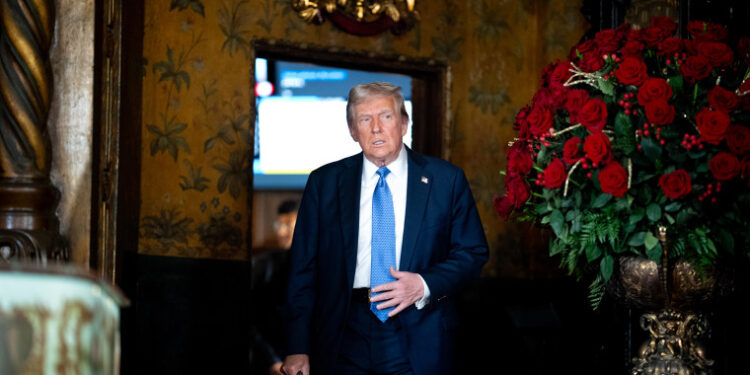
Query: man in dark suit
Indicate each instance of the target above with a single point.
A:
(384, 240)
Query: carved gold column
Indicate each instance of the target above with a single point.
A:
(28, 224)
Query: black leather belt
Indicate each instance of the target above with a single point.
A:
(361, 295)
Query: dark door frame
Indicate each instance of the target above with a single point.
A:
(430, 82)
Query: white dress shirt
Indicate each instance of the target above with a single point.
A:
(397, 182)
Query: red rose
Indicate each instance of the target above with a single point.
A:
(572, 150)
(614, 179)
(654, 89)
(632, 71)
(676, 184)
(651, 36)
(607, 41)
(743, 49)
(587, 46)
(503, 206)
(598, 149)
(724, 166)
(695, 68)
(668, 47)
(690, 46)
(548, 97)
(623, 31)
(554, 174)
(666, 24)
(660, 112)
(520, 124)
(517, 191)
(722, 99)
(559, 74)
(632, 48)
(574, 101)
(593, 115)
(706, 31)
(587, 56)
(712, 125)
(738, 139)
(540, 120)
(717, 53)
(591, 62)
(519, 159)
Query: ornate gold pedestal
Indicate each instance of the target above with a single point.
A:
(672, 293)
(673, 347)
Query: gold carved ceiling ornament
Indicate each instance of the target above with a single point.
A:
(361, 17)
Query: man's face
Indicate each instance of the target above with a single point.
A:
(379, 129)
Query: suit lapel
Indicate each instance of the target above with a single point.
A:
(349, 182)
(417, 194)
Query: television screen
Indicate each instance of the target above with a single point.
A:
(304, 129)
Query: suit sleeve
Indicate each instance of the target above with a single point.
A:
(468, 250)
(300, 296)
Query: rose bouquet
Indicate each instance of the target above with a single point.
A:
(637, 129)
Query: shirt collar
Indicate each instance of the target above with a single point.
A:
(397, 167)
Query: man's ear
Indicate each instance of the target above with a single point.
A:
(354, 134)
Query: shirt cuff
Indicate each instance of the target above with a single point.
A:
(426, 298)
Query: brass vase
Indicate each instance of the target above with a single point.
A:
(673, 294)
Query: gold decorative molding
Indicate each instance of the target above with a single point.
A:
(29, 228)
(25, 85)
(360, 17)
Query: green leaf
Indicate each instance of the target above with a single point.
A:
(636, 216)
(654, 254)
(672, 207)
(606, 87)
(542, 208)
(676, 82)
(650, 241)
(637, 239)
(669, 218)
(557, 221)
(556, 247)
(624, 133)
(601, 200)
(651, 148)
(607, 265)
(572, 215)
(726, 241)
(653, 211)
(593, 253)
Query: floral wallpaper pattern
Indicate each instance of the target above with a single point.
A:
(197, 95)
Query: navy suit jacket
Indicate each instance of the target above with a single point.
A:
(443, 241)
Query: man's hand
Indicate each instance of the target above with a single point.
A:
(296, 364)
(275, 369)
(401, 293)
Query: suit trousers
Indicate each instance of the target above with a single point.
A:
(370, 346)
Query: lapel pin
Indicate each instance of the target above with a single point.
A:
(425, 180)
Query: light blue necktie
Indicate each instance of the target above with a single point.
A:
(383, 240)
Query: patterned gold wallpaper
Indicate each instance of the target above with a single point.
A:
(197, 95)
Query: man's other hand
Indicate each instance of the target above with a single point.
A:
(296, 364)
(402, 293)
